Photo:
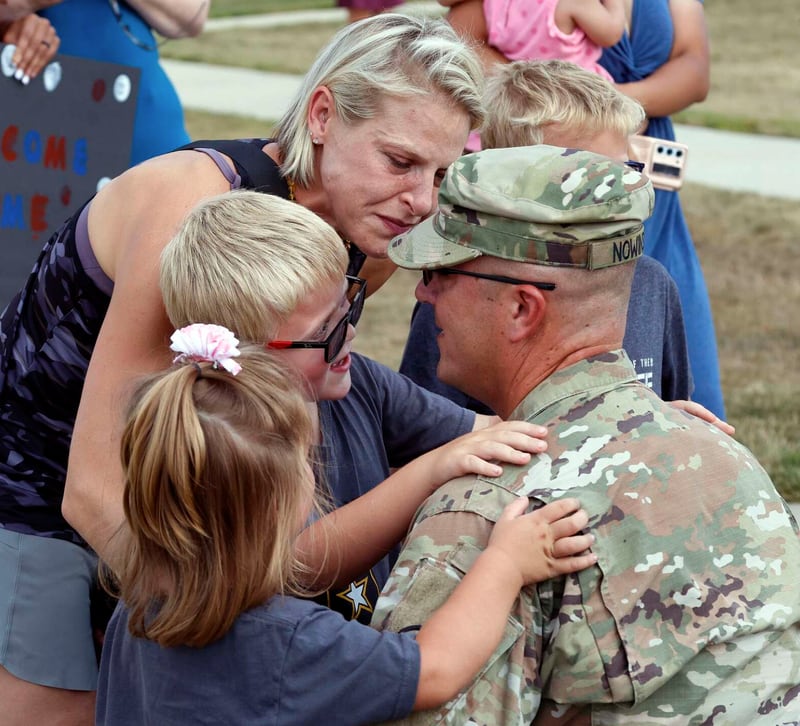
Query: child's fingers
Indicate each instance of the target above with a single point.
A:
(566, 565)
(557, 510)
(516, 452)
(507, 447)
(567, 526)
(574, 545)
(505, 440)
(523, 427)
(515, 509)
(474, 464)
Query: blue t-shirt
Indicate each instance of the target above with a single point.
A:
(655, 340)
(287, 662)
(88, 29)
(641, 51)
(384, 422)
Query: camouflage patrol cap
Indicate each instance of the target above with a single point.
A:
(540, 204)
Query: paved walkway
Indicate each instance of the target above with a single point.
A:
(740, 162)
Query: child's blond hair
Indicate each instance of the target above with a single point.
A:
(525, 97)
(245, 260)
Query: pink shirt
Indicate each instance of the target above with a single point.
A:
(526, 30)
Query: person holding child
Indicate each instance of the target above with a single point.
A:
(384, 110)
(216, 457)
(570, 30)
(662, 60)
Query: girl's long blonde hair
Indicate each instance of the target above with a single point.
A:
(217, 485)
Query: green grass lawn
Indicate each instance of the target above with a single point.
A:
(753, 86)
(225, 8)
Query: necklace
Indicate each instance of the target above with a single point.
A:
(290, 183)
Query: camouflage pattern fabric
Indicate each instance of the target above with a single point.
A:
(539, 204)
(690, 615)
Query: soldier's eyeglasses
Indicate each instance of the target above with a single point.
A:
(333, 344)
(427, 276)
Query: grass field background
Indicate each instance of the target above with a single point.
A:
(748, 244)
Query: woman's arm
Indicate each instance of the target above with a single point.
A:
(685, 78)
(130, 222)
(351, 539)
(173, 18)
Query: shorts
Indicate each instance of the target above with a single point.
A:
(45, 624)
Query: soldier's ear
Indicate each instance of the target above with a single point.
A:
(526, 309)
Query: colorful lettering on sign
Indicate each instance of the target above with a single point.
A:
(12, 212)
(50, 152)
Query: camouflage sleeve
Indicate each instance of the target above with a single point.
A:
(435, 557)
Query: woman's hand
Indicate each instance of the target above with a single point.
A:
(36, 43)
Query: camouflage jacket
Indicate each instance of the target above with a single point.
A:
(691, 613)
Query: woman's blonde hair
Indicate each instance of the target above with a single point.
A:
(215, 466)
(245, 260)
(525, 97)
(387, 55)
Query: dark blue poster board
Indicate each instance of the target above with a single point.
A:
(61, 138)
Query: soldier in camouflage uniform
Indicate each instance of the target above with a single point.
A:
(691, 614)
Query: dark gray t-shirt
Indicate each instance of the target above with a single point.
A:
(288, 662)
(384, 422)
(655, 340)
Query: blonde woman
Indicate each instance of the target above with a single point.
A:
(384, 110)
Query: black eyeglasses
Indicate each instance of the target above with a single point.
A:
(333, 344)
(125, 28)
(427, 276)
(635, 165)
